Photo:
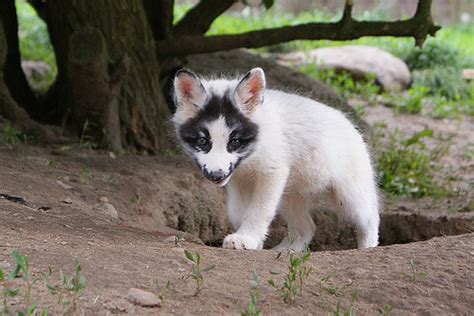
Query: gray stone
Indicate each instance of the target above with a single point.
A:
(143, 298)
(391, 72)
(108, 209)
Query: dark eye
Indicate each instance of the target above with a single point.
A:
(201, 141)
(235, 142)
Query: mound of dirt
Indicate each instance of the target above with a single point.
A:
(432, 277)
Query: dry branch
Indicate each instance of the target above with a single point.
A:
(419, 27)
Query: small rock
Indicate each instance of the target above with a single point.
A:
(35, 69)
(108, 209)
(111, 155)
(30, 218)
(5, 265)
(143, 298)
(391, 72)
(64, 243)
(67, 200)
(64, 185)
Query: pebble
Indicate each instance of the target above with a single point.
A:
(67, 200)
(30, 218)
(108, 209)
(5, 265)
(143, 298)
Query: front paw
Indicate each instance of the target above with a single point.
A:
(237, 241)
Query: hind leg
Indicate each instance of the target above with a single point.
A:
(358, 204)
(294, 211)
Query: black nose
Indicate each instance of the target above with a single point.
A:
(214, 175)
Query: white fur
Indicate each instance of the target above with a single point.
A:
(216, 158)
(304, 148)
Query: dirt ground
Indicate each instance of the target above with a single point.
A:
(116, 215)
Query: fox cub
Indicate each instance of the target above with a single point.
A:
(275, 152)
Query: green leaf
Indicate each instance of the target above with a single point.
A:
(271, 282)
(427, 132)
(189, 255)
(2, 274)
(198, 259)
(15, 272)
(52, 289)
(17, 257)
(11, 292)
(30, 310)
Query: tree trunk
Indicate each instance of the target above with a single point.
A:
(14, 77)
(10, 110)
(108, 73)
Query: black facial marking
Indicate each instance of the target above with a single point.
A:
(197, 137)
(244, 132)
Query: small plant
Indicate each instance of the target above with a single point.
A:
(412, 103)
(136, 199)
(21, 269)
(386, 310)
(162, 289)
(433, 55)
(179, 239)
(7, 290)
(252, 308)
(68, 289)
(328, 286)
(344, 83)
(405, 166)
(196, 272)
(11, 135)
(295, 278)
(340, 311)
(414, 274)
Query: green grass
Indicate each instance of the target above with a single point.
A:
(406, 166)
(66, 291)
(295, 278)
(34, 43)
(252, 308)
(196, 272)
(12, 135)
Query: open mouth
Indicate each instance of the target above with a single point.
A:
(222, 182)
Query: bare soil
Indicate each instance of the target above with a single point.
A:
(117, 216)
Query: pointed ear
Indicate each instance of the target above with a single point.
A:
(189, 93)
(250, 90)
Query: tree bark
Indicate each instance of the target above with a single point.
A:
(92, 40)
(10, 110)
(14, 77)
